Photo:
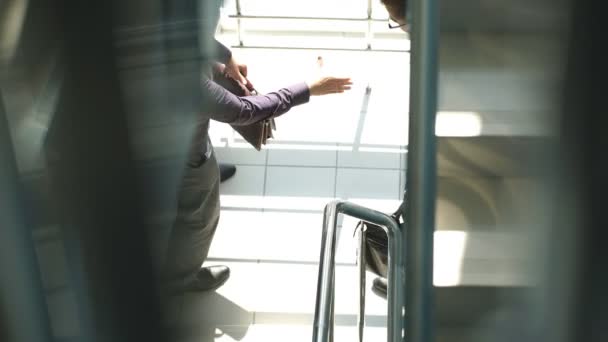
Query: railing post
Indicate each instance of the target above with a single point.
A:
(421, 172)
(362, 266)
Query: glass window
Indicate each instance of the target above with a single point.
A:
(309, 8)
(389, 39)
(385, 116)
(378, 10)
(304, 33)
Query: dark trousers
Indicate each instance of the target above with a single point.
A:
(198, 213)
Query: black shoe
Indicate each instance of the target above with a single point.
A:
(226, 172)
(379, 286)
(208, 279)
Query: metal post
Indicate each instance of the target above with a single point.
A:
(23, 309)
(239, 25)
(325, 284)
(369, 35)
(361, 264)
(421, 180)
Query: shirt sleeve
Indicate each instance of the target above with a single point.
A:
(221, 105)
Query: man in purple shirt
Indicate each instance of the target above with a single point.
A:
(198, 208)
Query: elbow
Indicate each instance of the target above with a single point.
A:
(247, 115)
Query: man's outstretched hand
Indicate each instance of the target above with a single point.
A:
(329, 85)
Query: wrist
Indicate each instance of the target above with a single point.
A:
(312, 89)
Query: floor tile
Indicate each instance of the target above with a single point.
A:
(366, 183)
(284, 203)
(300, 181)
(237, 235)
(231, 304)
(268, 332)
(290, 236)
(293, 292)
(374, 160)
(240, 156)
(282, 237)
(301, 157)
(248, 180)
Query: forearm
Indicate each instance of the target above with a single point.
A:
(221, 105)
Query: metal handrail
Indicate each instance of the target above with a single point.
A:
(324, 306)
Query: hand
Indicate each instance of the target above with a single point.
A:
(237, 71)
(329, 85)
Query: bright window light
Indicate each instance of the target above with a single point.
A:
(379, 11)
(303, 25)
(275, 202)
(306, 147)
(397, 149)
(344, 119)
(387, 39)
(449, 251)
(290, 40)
(309, 8)
(458, 124)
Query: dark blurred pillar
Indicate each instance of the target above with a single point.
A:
(94, 179)
(23, 310)
(578, 277)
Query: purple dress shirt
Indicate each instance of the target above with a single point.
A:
(221, 105)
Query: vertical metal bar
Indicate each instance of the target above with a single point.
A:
(362, 116)
(421, 180)
(361, 264)
(396, 284)
(370, 33)
(332, 309)
(23, 309)
(239, 28)
(325, 285)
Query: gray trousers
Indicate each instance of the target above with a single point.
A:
(198, 213)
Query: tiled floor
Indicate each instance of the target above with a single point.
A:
(270, 234)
